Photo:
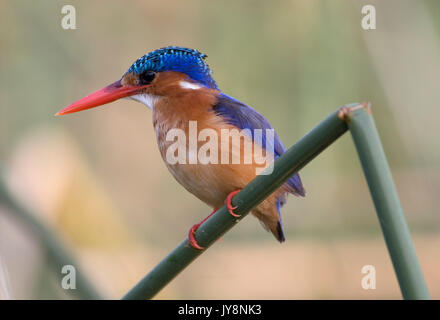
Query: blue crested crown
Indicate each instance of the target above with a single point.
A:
(188, 61)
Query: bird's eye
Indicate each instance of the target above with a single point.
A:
(146, 77)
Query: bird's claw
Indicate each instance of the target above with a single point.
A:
(229, 205)
(192, 239)
(192, 232)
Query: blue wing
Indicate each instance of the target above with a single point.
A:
(244, 117)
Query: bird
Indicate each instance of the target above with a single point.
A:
(176, 83)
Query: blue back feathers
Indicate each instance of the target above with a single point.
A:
(188, 61)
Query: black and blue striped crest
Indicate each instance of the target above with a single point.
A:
(188, 61)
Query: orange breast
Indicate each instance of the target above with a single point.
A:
(192, 112)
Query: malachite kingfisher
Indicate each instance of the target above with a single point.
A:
(177, 84)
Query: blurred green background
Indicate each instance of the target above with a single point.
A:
(97, 178)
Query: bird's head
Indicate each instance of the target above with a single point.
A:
(152, 75)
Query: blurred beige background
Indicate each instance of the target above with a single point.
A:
(97, 178)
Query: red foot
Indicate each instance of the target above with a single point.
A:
(229, 205)
(192, 238)
(192, 232)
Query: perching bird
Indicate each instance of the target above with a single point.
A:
(176, 83)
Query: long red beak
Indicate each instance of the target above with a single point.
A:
(107, 94)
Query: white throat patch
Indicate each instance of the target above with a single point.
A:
(147, 99)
